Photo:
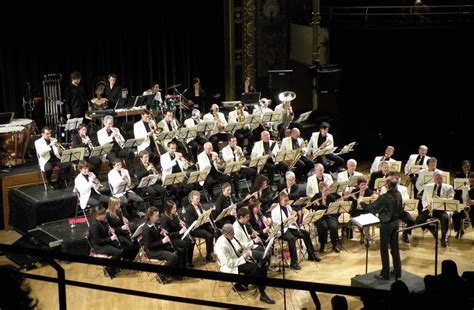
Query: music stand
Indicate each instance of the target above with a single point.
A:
(186, 133)
(121, 188)
(283, 156)
(366, 220)
(169, 135)
(72, 154)
(379, 183)
(250, 98)
(101, 150)
(258, 162)
(416, 168)
(138, 231)
(353, 181)
(253, 120)
(347, 148)
(233, 167)
(275, 117)
(72, 124)
(199, 176)
(410, 205)
(231, 127)
(366, 200)
(447, 205)
(312, 217)
(339, 207)
(338, 187)
(303, 201)
(322, 152)
(149, 180)
(132, 142)
(395, 165)
(225, 212)
(459, 183)
(203, 218)
(303, 117)
(205, 126)
(174, 178)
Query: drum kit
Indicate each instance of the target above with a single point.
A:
(15, 140)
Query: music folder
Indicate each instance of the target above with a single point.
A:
(138, 231)
(275, 116)
(410, 204)
(459, 183)
(73, 123)
(364, 220)
(121, 188)
(379, 183)
(190, 228)
(166, 135)
(338, 187)
(231, 127)
(323, 152)
(347, 148)
(303, 117)
(186, 133)
(72, 154)
(285, 155)
(101, 150)
(416, 168)
(353, 180)
(205, 126)
(303, 201)
(233, 167)
(226, 212)
(312, 217)
(253, 120)
(203, 218)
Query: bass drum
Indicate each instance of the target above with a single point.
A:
(12, 145)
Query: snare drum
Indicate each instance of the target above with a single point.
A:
(12, 144)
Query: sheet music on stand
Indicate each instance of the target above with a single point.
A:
(364, 220)
(338, 187)
(253, 120)
(231, 127)
(395, 165)
(138, 231)
(379, 183)
(205, 126)
(416, 168)
(268, 247)
(353, 181)
(460, 183)
(259, 161)
(73, 123)
(283, 156)
(120, 189)
(449, 205)
(149, 180)
(75, 154)
(199, 176)
(312, 217)
(203, 218)
(174, 178)
(410, 204)
(347, 148)
(365, 201)
(339, 207)
(132, 143)
(303, 201)
(233, 167)
(275, 116)
(186, 133)
(101, 150)
(226, 212)
(322, 152)
(169, 135)
(303, 117)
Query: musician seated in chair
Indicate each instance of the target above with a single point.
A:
(145, 128)
(246, 236)
(432, 163)
(349, 174)
(122, 230)
(262, 191)
(382, 173)
(158, 245)
(48, 151)
(81, 139)
(87, 184)
(238, 115)
(223, 201)
(197, 143)
(303, 165)
(260, 223)
(416, 159)
(209, 158)
(438, 189)
(218, 133)
(145, 168)
(268, 147)
(233, 153)
(167, 124)
(235, 259)
(378, 160)
(208, 230)
(468, 211)
(154, 90)
(321, 201)
(312, 186)
(293, 232)
(111, 134)
(121, 186)
(315, 142)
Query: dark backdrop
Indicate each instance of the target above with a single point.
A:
(406, 86)
(169, 44)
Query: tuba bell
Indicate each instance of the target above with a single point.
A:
(286, 97)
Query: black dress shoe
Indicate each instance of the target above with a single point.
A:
(210, 259)
(321, 249)
(405, 238)
(264, 297)
(295, 266)
(314, 257)
(109, 272)
(336, 249)
(240, 287)
(162, 278)
(443, 244)
(380, 277)
(392, 274)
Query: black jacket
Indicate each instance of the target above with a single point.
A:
(388, 208)
(75, 101)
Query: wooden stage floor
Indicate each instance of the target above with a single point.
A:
(417, 258)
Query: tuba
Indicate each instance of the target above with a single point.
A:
(286, 97)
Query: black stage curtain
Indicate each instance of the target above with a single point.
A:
(139, 44)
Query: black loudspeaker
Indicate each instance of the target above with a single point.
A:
(328, 79)
(280, 80)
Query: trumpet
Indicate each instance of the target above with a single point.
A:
(180, 156)
(151, 168)
(60, 147)
(218, 162)
(98, 186)
(238, 152)
(219, 124)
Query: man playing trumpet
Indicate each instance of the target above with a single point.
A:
(238, 115)
(111, 134)
(81, 139)
(218, 133)
(87, 184)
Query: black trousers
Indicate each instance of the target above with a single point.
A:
(389, 238)
(324, 224)
(156, 190)
(408, 219)
(291, 235)
(195, 145)
(207, 233)
(324, 160)
(271, 167)
(243, 134)
(214, 139)
(258, 270)
(96, 199)
(302, 167)
(188, 248)
(459, 216)
(63, 172)
(95, 163)
(172, 259)
(129, 249)
(441, 216)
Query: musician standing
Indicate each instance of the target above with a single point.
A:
(86, 183)
(145, 168)
(112, 91)
(49, 157)
(295, 142)
(389, 206)
(315, 142)
(233, 259)
(158, 244)
(293, 232)
(81, 139)
(205, 231)
(268, 147)
(75, 99)
(122, 230)
(217, 133)
(312, 186)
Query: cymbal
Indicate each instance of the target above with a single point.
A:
(174, 86)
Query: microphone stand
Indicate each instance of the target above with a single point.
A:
(181, 105)
(282, 230)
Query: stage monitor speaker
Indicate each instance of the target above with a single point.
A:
(328, 79)
(280, 80)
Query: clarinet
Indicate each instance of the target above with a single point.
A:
(164, 232)
(185, 225)
(242, 249)
(111, 231)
